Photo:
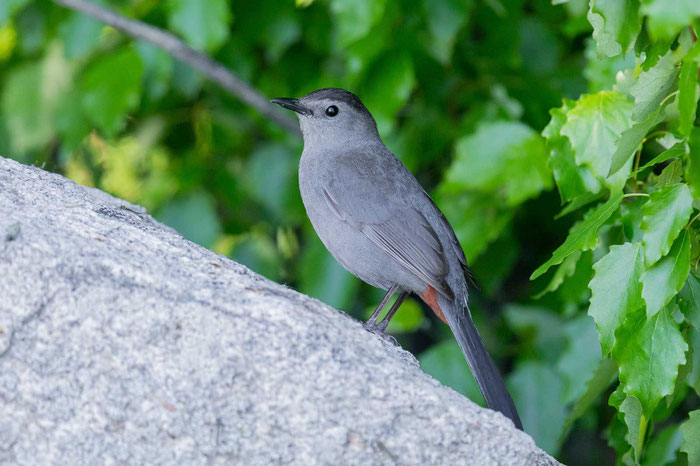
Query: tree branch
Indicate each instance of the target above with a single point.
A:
(198, 60)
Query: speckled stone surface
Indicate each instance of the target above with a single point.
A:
(123, 343)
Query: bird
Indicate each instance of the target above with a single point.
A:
(379, 223)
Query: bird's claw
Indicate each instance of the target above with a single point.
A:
(380, 330)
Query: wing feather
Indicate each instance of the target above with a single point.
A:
(405, 235)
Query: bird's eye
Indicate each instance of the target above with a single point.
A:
(332, 111)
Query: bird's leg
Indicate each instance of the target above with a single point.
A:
(395, 307)
(372, 321)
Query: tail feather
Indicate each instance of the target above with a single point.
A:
(482, 367)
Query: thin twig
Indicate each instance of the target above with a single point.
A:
(692, 221)
(637, 156)
(672, 94)
(198, 60)
(653, 135)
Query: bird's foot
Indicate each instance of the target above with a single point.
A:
(379, 329)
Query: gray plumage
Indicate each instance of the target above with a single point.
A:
(377, 221)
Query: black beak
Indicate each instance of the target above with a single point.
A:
(292, 104)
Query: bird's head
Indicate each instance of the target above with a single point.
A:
(332, 116)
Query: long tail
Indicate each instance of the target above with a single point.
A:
(484, 370)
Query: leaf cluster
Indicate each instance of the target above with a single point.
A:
(635, 143)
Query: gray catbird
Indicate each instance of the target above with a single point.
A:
(380, 224)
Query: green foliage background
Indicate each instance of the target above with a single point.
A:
(564, 135)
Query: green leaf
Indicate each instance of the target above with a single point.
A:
(693, 53)
(277, 190)
(539, 47)
(538, 328)
(672, 174)
(496, 263)
(692, 171)
(564, 270)
(537, 392)
(618, 433)
(652, 87)
(355, 19)
(675, 151)
(71, 123)
(280, 35)
(9, 7)
(204, 25)
(632, 138)
(617, 181)
(663, 449)
(445, 362)
(616, 25)
(616, 291)
(509, 157)
(653, 51)
(691, 437)
(322, 277)
(693, 378)
(445, 19)
(689, 301)
(594, 127)
(602, 72)
(680, 392)
(580, 358)
(131, 169)
(186, 80)
(665, 214)
(80, 34)
(110, 88)
(581, 201)
(557, 120)
(631, 411)
(30, 98)
(572, 181)
(631, 219)
(649, 353)
(158, 70)
(667, 17)
(582, 236)
(194, 217)
(258, 251)
(22, 105)
(476, 219)
(599, 382)
(665, 278)
(31, 23)
(387, 85)
(575, 288)
(687, 96)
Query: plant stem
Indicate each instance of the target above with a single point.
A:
(642, 435)
(637, 156)
(660, 132)
(183, 52)
(672, 94)
(691, 222)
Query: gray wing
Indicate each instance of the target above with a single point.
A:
(454, 242)
(398, 228)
